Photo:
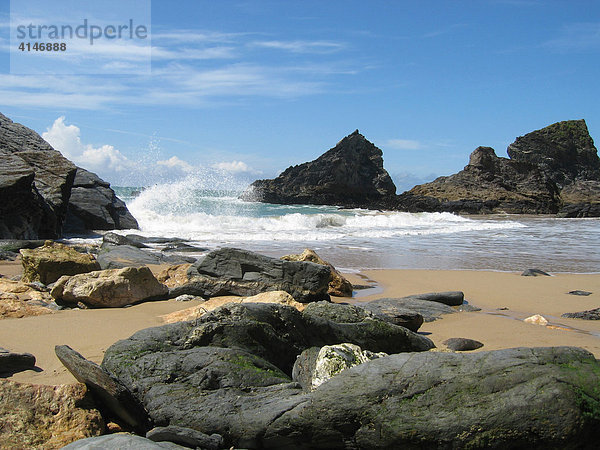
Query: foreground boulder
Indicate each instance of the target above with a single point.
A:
(48, 263)
(351, 175)
(338, 285)
(231, 271)
(93, 205)
(109, 288)
(48, 417)
(229, 372)
(515, 398)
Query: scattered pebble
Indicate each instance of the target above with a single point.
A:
(582, 293)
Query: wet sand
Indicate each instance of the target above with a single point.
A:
(91, 332)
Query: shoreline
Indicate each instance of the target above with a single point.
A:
(92, 331)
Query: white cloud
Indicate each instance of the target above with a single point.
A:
(67, 140)
(403, 144)
(576, 37)
(319, 47)
(234, 167)
(175, 163)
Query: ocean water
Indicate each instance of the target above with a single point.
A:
(360, 239)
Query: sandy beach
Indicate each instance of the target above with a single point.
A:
(92, 331)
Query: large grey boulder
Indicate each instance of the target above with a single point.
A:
(229, 372)
(94, 206)
(41, 204)
(231, 271)
(37, 184)
(516, 398)
(22, 209)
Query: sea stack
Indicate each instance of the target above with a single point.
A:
(37, 184)
(350, 175)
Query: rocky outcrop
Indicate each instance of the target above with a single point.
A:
(351, 175)
(111, 288)
(488, 184)
(94, 206)
(48, 417)
(48, 191)
(539, 398)
(228, 372)
(36, 185)
(552, 170)
(53, 260)
(231, 271)
(564, 151)
(338, 285)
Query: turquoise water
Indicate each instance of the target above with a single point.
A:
(358, 239)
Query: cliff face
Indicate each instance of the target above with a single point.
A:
(552, 170)
(351, 175)
(36, 184)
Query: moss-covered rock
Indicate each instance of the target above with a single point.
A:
(53, 260)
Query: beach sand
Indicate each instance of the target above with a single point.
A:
(92, 331)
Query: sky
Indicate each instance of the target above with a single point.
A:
(240, 90)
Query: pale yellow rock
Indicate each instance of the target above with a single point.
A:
(15, 308)
(174, 276)
(279, 297)
(46, 417)
(48, 263)
(537, 320)
(109, 288)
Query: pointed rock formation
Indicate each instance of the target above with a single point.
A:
(350, 175)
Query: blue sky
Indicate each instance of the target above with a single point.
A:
(247, 88)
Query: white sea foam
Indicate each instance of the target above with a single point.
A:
(200, 215)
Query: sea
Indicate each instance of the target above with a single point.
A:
(357, 239)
